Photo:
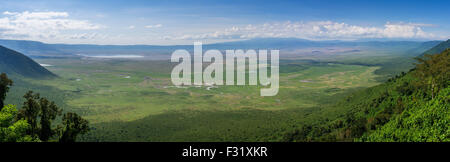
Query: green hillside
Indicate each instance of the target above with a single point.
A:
(13, 63)
(413, 106)
(439, 48)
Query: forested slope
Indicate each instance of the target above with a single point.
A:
(15, 63)
(413, 106)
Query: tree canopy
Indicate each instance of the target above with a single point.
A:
(33, 122)
(5, 83)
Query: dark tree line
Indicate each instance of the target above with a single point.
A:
(5, 83)
(40, 113)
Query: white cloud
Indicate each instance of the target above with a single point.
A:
(40, 25)
(36, 15)
(316, 30)
(59, 27)
(154, 26)
(84, 36)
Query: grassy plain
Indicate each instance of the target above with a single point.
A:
(131, 100)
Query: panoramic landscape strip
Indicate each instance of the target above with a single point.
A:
(225, 80)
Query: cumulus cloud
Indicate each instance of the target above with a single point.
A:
(131, 27)
(317, 30)
(154, 26)
(40, 25)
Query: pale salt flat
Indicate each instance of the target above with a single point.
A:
(45, 65)
(116, 56)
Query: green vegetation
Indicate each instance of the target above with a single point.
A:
(145, 107)
(333, 97)
(406, 108)
(422, 122)
(424, 119)
(34, 121)
(10, 129)
(72, 126)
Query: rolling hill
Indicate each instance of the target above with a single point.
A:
(15, 63)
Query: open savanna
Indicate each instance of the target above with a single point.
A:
(134, 100)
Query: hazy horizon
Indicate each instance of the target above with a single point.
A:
(182, 23)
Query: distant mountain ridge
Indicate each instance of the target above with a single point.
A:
(15, 63)
(439, 48)
(39, 49)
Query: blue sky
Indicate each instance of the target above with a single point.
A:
(183, 22)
